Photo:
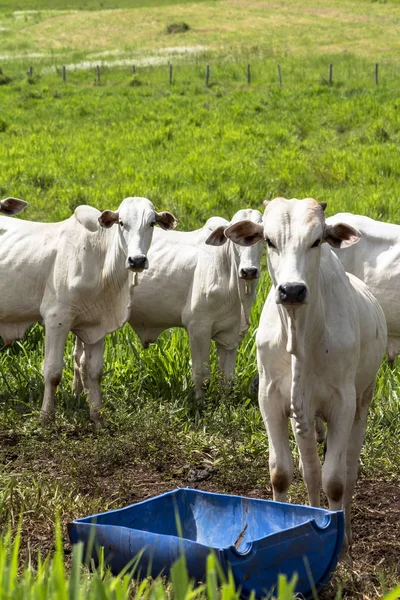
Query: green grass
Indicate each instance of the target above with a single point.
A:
(197, 151)
(49, 580)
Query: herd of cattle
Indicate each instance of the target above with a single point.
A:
(321, 336)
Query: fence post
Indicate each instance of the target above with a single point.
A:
(98, 73)
(170, 74)
(279, 76)
(248, 74)
(64, 74)
(207, 74)
(330, 74)
(133, 69)
(376, 73)
(30, 72)
(1, 71)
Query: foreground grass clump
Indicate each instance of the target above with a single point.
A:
(50, 580)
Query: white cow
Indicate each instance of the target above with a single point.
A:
(11, 206)
(320, 343)
(205, 289)
(376, 260)
(74, 276)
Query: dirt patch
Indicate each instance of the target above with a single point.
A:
(376, 525)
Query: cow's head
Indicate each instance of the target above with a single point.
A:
(250, 256)
(135, 219)
(293, 231)
(12, 206)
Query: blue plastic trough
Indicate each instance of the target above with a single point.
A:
(257, 539)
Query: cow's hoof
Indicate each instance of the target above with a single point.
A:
(99, 422)
(345, 557)
(47, 418)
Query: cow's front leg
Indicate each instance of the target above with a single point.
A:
(227, 361)
(334, 469)
(55, 338)
(276, 422)
(92, 371)
(79, 350)
(200, 342)
(310, 466)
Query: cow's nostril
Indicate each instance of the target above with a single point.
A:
(137, 262)
(292, 293)
(248, 273)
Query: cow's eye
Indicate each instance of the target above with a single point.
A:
(121, 224)
(269, 243)
(316, 243)
(152, 224)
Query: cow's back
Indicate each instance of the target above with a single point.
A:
(375, 259)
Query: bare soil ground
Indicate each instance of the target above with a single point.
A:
(376, 523)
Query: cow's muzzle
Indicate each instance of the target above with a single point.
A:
(137, 263)
(291, 294)
(249, 273)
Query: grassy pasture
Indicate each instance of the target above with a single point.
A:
(196, 151)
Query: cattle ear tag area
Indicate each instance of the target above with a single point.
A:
(217, 237)
(341, 235)
(12, 206)
(166, 220)
(88, 217)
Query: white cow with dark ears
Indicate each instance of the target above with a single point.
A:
(207, 290)
(74, 276)
(320, 343)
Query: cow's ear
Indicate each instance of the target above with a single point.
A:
(266, 202)
(12, 206)
(341, 235)
(88, 217)
(108, 218)
(214, 222)
(166, 220)
(323, 205)
(217, 237)
(245, 233)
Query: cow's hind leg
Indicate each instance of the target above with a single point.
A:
(78, 359)
(334, 470)
(200, 342)
(56, 336)
(227, 361)
(92, 372)
(353, 454)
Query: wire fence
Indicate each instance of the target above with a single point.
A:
(280, 74)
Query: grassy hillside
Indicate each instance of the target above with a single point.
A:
(265, 29)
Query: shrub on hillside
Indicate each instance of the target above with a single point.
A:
(177, 28)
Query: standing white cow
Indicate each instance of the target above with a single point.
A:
(376, 261)
(11, 206)
(73, 276)
(205, 289)
(320, 343)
